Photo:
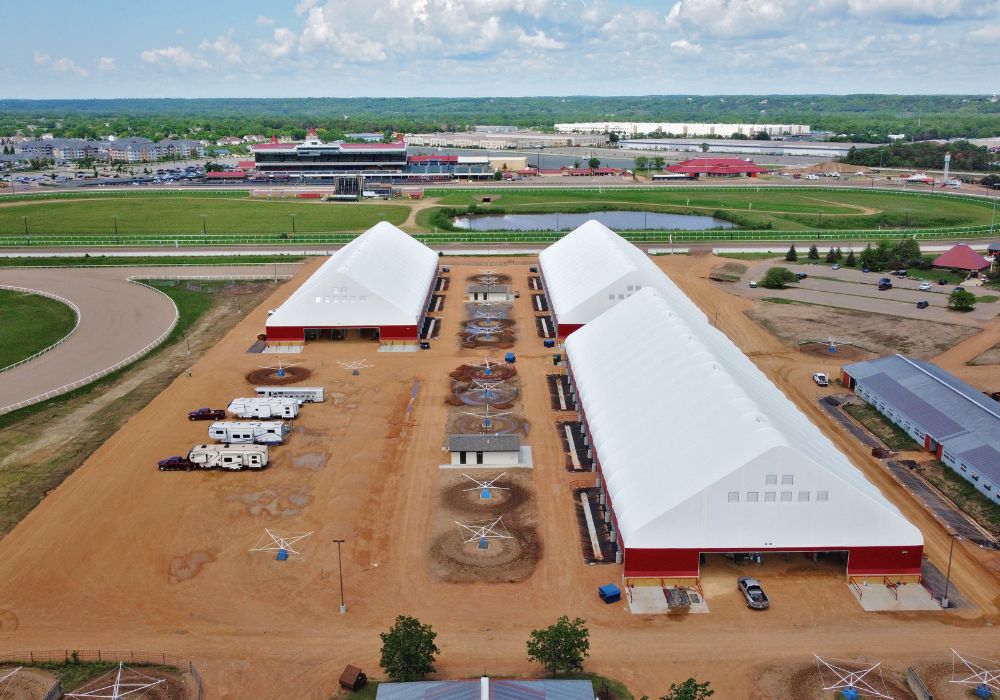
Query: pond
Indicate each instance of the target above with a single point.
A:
(615, 220)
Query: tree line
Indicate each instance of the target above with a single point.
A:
(924, 155)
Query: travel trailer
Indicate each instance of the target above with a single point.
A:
(249, 432)
(264, 408)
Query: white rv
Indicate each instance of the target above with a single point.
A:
(303, 394)
(232, 457)
(264, 408)
(271, 432)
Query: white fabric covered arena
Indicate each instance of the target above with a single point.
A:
(691, 438)
(590, 270)
(381, 278)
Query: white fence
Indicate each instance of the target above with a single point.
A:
(56, 297)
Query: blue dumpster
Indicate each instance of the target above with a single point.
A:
(533, 268)
(610, 593)
(549, 343)
(509, 358)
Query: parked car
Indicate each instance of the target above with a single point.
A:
(958, 289)
(753, 593)
(207, 414)
(900, 273)
(883, 286)
(923, 304)
(801, 275)
(753, 284)
(925, 286)
(865, 269)
(175, 463)
(836, 266)
(821, 379)
(942, 281)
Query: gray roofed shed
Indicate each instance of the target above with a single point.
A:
(483, 442)
(952, 412)
(492, 690)
(489, 289)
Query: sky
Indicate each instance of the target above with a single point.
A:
(454, 48)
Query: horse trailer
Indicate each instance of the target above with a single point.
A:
(257, 407)
(271, 432)
(303, 394)
(232, 457)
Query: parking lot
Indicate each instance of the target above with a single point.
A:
(852, 289)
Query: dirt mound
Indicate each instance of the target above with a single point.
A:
(498, 372)
(503, 340)
(511, 424)
(489, 278)
(844, 351)
(466, 497)
(804, 682)
(453, 560)
(269, 377)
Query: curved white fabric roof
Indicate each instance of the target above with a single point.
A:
(684, 423)
(591, 269)
(381, 278)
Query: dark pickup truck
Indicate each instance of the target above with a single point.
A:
(176, 464)
(207, 414)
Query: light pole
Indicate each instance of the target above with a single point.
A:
(293, 224)
(340, 567)
(115, 217)
(993, 218)
(204, 231)
(26, 234)
(947, 578)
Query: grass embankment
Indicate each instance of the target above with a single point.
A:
(891, 435)
(780, 209)
(147, 260)
(30, 323)
(963, 494)
(80, 421)
(183, 215)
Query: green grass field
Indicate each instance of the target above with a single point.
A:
(158, 214)
(29, 324)
(146, 260)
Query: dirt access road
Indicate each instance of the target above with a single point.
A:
(117, 319)
(124, 556)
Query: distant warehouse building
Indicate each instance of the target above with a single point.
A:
(949, 418)
(376, 287)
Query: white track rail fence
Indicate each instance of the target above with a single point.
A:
(50, 295)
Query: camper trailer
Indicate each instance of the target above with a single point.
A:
(249, 432)
(232, 457)
(303, 394)
(264, 408)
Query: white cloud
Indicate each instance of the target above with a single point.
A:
(987, 34)
(539, 40)
(686, 47)
(264, 21)
(922, 10)
(225, 46)
(106, 64)
(174, 56)
(284, 41)
(65, 65)
(42, 59)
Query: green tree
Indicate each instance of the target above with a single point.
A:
(561, 647)
(813, 253)
(689, 690)
(869, 258)
(408, 649)
(704, 148)
(792, 255)
(762, 136)
(907, 250)
(850, 262)
(838, 254)
(497, 175)
(961, 301)
(641, 163)
(658, 163)
(594, 163)
(831, 256)
(777, 278)
(576, 164)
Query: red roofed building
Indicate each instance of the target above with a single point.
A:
(962, 257)
(716, 167)
(226, 175)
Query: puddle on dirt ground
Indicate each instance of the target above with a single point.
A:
(282, 503)
(313, 461)
(188, 566)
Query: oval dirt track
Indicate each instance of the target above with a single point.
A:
(117, 319)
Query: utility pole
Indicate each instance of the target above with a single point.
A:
(117, 238)
(293, 224)
(947, 578)
(26, 234)
(340, 567)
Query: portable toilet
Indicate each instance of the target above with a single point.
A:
(533, 268)
(509, 358)
(610, 593)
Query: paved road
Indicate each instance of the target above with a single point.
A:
(117, 320)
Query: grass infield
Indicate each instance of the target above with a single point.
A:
(30, 323)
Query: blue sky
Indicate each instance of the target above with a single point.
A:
(347, 48)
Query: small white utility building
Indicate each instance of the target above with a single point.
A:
(490, 449)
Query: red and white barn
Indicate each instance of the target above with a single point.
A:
(699, 453)
(590, 270)
(379, 285)
(716, 167)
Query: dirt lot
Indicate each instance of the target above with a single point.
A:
(879, 334)
(122, 554)
(26, 684)
(990, 357)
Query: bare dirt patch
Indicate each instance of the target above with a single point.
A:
(937, 678)
(269, 376)
(990, 357)
(875, 333)
(26, 684)
(727, 272)
(843, 351)
(804, 682)
(188, 566)
(173, 687)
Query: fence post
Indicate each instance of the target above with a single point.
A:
(98, 654)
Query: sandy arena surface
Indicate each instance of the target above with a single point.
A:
(117, 320)
(123, 556)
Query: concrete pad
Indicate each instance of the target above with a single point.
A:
(879, 598)
(386, 347)
(283, 350)
(652, 600)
